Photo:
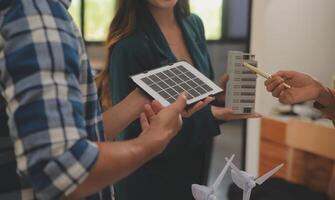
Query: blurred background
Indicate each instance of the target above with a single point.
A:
(283, 34)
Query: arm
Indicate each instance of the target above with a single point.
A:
(326, 103)
(326, 96)
(44, 102)
(118, 117)
(125, 112)
(118, 159)
(304, 88)
(124, 62)
(328, 111)
(46, 119)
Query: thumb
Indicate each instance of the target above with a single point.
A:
(180, 103)
(156, 106)
(223, 80)
(144, 121)
(285, 74)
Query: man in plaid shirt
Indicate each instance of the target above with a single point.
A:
(51, 128)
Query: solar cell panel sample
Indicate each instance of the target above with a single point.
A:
(166, 83)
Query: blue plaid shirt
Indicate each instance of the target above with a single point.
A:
(49, 110)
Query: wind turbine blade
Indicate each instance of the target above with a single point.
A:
(246, 194)
(223, 173)
(266, 176)
(200, 192)
(234, 167)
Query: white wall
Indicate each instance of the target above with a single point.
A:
(289, 34)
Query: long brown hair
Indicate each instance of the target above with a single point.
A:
(123, 24)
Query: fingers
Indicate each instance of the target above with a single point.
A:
(229, 110)
(243, 116)
(228, 114)
(285, 74)
(156, 106)
(209, 100)
(296, 95)
(194, 109)
(221, 98)
(149, 112)
(180, 103)
(223, 84)
(220, 113)
(223, 81)
(278, 90)
(273, 82)
(285, 97)
(249, 116)
(144, 121)
(198, 106)
(276, 85)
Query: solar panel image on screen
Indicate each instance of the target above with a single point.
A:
(166, 83)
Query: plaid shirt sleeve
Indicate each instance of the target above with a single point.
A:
(39, 73)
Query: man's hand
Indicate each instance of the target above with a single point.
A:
(303, 87)
(164, 125)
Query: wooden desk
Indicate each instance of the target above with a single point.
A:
(307, 149)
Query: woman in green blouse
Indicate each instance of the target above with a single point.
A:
(147, 34)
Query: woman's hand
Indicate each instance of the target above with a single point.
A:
(156, 107)
(198, 106)
(220, 98)
(226, 114)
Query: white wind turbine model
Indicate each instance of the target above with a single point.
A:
(247, 182)
(202, 192)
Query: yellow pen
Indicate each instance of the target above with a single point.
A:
(261, 73)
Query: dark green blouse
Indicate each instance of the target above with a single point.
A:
(170, 175)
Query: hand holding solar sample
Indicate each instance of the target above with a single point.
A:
(226, 113)
(166, 83)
